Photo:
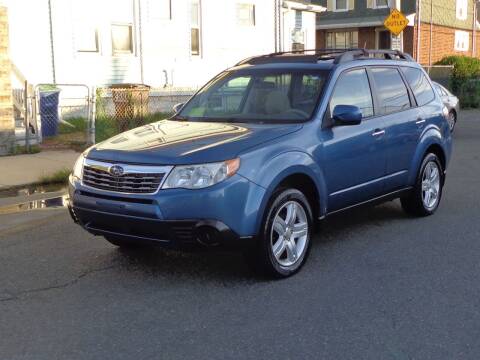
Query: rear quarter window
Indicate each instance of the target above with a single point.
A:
(420, 85)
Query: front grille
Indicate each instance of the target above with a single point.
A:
(135, 183)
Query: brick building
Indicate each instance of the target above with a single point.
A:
(447, 27)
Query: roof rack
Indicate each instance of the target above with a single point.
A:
(362, 54)
(315, 55)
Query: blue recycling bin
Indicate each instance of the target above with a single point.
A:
(49, 112)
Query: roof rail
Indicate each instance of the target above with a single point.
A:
(314, 55)
(362, 54)
(307, 55)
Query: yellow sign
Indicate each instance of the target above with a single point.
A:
(396, 22)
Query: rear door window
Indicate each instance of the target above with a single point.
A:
(353, 88)
(420, 85)
(391, 90)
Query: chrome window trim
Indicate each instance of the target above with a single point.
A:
(128, 169)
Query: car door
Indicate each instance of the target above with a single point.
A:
(354, 160)
(403, 124)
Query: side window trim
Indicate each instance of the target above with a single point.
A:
(411, 95)
(328, 115)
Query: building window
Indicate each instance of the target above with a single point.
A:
(160, 9)
(340, 5)
(122, 39)
(462, 40)
(379, 4)
(122, 27)
(195, 27)
(462, 7)
(342, 40)
(86, 38)
(246, 15)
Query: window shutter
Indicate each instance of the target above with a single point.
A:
(330, 5)
(370, 4)
(351, 4)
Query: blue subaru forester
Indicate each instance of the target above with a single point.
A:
(267, 148)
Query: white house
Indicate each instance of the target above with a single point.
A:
(179, 43)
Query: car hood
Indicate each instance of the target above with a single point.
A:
(170, 142)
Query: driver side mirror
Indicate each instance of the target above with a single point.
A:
(347, 115)
(178, 107)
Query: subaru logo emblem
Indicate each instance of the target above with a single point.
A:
(116, 170)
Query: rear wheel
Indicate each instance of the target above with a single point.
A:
(284, 241)
(427, 193)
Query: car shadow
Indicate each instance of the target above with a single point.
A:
(230, 268)
(336, 226)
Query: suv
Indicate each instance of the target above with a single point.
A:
(264, 150)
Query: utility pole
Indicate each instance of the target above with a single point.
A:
(398, 40)
(474, 29)
(419, 25)
(431, 34)
(52, 46)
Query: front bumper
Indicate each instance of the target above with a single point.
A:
(171, 234)
(224, 215)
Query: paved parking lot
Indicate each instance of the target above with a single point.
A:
(378, 285)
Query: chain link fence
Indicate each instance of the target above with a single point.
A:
(123, 107)
(441, 74)
(63, 115)
(76, 116)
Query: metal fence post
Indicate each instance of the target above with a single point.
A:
(27, 123)
(91, 127)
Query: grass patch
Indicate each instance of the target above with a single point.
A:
(58, 177)
(73, 125)
(21, 150)
(71, 134)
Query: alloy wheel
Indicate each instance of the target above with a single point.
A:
(289, 233)
(451, 120)
(430, 185)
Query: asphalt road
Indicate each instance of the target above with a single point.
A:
(378, 285)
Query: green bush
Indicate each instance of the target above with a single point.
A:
(465, 81)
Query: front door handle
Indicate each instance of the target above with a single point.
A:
(378, 132)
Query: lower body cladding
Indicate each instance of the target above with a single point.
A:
(224, 215)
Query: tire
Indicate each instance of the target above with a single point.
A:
(281, 256)
(419, 203)
(123, 243)
(452, 120)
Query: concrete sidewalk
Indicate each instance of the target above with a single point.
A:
(26, 169)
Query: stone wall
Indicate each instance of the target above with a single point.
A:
(7, 123)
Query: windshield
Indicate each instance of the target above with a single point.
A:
(254, 95)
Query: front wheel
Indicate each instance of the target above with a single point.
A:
(427, 192)
(284, 241)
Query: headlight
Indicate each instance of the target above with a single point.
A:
(201, 176)
(78, 167)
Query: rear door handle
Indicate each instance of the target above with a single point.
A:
(420, 121)
(378, 132)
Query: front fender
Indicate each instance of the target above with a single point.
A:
(270, 172)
